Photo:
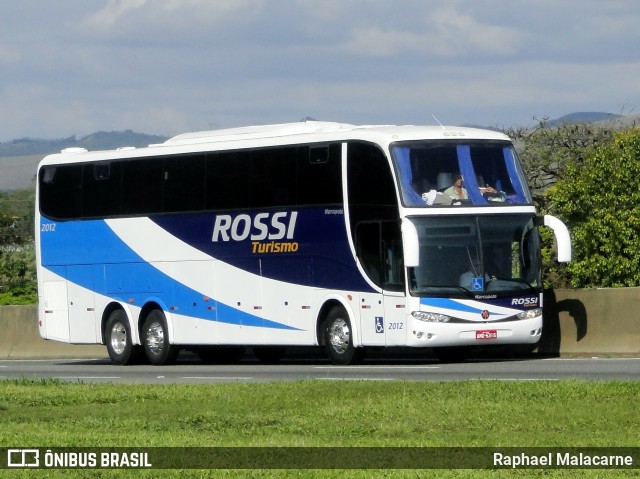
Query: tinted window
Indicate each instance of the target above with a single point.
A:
(372, 194)
(61, 191)
(320, 174)
(142, 186)
(227, 180)
(183, 183)
(273, 177)
(101, 189)
(264, 178)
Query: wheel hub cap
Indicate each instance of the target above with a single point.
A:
(339, 335)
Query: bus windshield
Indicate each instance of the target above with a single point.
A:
(476, 254)
(450, 173)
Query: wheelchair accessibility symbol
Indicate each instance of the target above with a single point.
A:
(379, 324)
(477, 283)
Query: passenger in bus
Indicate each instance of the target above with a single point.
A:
(457, 191)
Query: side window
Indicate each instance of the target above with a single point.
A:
(61, 191)
(273, 177)
(142, 186)
(227, 180)
(379, 249)
(320, 175)
(369, 251)
(371, 189)
(183, 183)
(101, 191)
(374, 215)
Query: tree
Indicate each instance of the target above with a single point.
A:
(17, 253)
(599, 198)
(546, 152)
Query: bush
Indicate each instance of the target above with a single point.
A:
(17, 253)
(599, 198)
(18, 276)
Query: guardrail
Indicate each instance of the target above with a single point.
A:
(602, 322)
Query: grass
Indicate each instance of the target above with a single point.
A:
(48, 413)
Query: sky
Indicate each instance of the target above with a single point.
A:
(166, 67)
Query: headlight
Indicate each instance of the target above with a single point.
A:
(531, 313)
(431, 317)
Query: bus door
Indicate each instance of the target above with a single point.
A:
(379, 250)
(394, 285)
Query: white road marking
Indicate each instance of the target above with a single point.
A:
(219, 378)
(377, 367)
(356, 379)
(86, 377)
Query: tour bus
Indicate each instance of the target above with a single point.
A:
(303, 234)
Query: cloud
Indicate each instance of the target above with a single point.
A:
(162, 21)
(443, 32)
(112, 14)
(166, 66)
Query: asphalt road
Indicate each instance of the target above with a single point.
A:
(190, 370)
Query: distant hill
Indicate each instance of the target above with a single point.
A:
(19, 158)
(101, 140)
(584, 117)
(597, 117)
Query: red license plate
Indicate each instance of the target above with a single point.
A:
(486, 334)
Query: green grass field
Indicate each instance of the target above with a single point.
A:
(317, 413)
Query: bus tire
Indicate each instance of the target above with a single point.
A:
(338, 338)
(118, 339)
(155, 339)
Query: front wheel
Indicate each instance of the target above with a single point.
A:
(155, 340)
(117, 333)
(338, 338)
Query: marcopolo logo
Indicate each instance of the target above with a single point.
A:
(264, 230)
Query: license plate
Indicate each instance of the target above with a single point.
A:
(486, 334)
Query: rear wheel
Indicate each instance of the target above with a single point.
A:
(338, 338)
(117, 333)
(155, 339)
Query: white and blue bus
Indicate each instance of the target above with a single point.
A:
(311, 233)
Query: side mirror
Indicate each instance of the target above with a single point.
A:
(563, 239)
(410, 244)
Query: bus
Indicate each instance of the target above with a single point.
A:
(318, 234)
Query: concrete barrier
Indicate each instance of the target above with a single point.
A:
(599, 321)
(20, 339)
(604, 322)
